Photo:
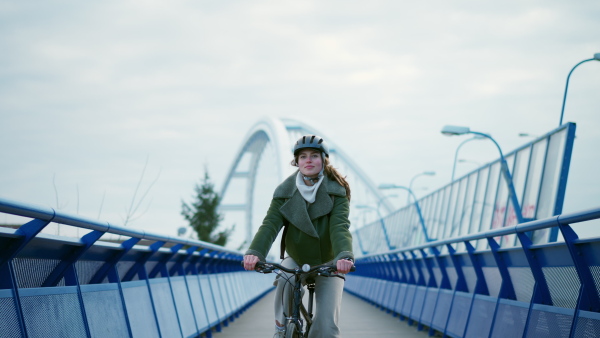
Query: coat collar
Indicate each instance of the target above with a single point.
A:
(295, 210)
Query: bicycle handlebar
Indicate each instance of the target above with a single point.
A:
(321, 270)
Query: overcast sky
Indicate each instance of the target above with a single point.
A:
(90, 91)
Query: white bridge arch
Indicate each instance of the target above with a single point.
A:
(268, 146)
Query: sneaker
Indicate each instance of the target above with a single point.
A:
(279, 334)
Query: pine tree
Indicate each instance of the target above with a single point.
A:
(202, 214)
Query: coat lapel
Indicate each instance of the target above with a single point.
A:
(295, 210)
(323, 203)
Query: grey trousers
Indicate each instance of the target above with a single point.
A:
(327, 302)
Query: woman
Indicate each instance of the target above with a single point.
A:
(315, 202)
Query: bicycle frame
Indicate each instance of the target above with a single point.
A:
(294, 322)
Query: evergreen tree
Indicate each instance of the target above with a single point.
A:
(202, 213)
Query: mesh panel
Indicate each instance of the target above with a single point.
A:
(401, 298)
(595, 269)
(86, 270)
(123, 267)
(418, 303)
(53, 316)
(493, 280)
(170, 265)
(32, 272)
(198, 304)
(549, 324)
(139, 310)
(425, 271)
(470, 277)
(105, 316)
(480, 321)
(563, 283)
(429, 306)
(150, 266)
(437, 273)
(587, 328)
(415, 272)
(389, 304)
(441, 311)
(452, 276)
(523, 283)
(165, 309)
(510, 321)
(184, 308)
(9, 325)
(459, 314)
(408, 302)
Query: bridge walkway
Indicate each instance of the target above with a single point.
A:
(359, 319)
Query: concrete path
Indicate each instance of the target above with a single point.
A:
(359, 319)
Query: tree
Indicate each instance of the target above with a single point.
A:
(202, 213)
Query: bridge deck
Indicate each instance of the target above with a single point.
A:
(359, 319)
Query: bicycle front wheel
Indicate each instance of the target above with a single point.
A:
(292, 331)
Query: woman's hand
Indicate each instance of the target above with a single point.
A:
(250, 262)
(344, 265)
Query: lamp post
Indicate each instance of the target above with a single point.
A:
(425, 173)
(456, 130)
(387, 238)
(421, 220)
(562, 111)
(476, 137)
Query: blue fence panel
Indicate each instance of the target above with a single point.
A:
(54, 286)
(530, 290)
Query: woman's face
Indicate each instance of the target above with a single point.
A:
(310, 162)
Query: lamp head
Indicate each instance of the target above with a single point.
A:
(386, 186)
(429, 173)
(597, 56)
(455, 130)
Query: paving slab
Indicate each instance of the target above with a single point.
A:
(359, 319)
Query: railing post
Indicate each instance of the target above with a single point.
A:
(588, 297)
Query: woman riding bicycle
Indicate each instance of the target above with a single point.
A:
(313, 203)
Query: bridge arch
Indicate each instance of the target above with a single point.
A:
(272, 139)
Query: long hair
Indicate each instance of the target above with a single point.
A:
(331, 172)
(334, 174)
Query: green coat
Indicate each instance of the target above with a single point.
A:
(317, 234)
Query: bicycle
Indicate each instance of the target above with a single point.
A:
(294, 324)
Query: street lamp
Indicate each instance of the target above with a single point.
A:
(410, 185)
(387, 239)
(456, 130)
(476, 137)
(562, 111)
(421, 220)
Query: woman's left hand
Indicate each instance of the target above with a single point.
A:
(344, 265)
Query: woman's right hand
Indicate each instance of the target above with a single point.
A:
(250, 262)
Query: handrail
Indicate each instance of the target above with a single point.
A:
(49, 214)
(576, 217)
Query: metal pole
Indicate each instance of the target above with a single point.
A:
(562, 111)
(456, 154)
(507, 177)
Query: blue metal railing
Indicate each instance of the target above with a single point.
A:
(450, 286)
(54, 286)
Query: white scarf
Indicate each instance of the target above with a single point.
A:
(309, 193)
